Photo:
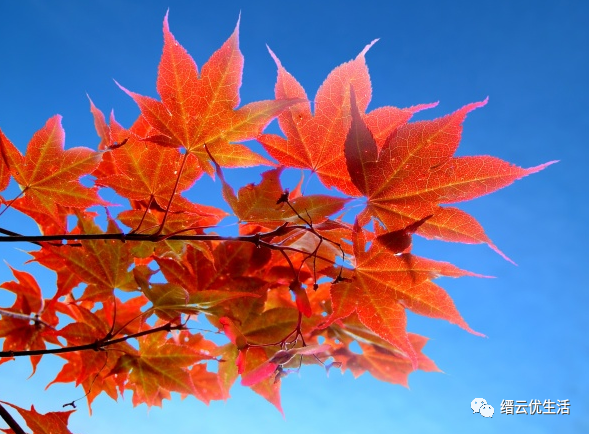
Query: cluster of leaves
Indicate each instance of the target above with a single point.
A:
(297, 285)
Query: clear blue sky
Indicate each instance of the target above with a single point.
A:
(530, 57)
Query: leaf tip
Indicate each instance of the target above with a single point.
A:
(365, 50)
(124, 89)
(420, 107)
(500, 253)
(236, 30)
(462, 324)
(276, 59)
(536, 169)
(541, 167)
(469, 107)
(166, 25)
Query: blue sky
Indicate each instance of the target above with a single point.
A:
(530, 58)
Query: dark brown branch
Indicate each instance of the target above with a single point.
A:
(256, 239)
(14, 234)
(96, 346)
(10, 421)
(155, 238)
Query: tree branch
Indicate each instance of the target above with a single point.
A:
(142, 237)
(96, 346)
(10, 421)
(256, 239)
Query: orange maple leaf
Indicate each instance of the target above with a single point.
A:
(378, 357)
(261, 203)
(104, 266)
(159, 367)
(198, 109)
(415, 171)
(31, 320)
(54, 422)
(384, 284)
(316, 141)
(144, 172)
(48, 175)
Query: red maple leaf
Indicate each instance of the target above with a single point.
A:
(263, 203)
(315, 140)
(30, 322)
(198, 109)
(415, 171)
(54, 422)
(103, 267)
(144, 172)
(159, 367)
(384, 284)
(48, 175)
(378, 357)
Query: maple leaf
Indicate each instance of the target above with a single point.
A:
(255, 323)
(268, 388)
(126, 317)
(103, 265)
(66, 280)
(198, 109)
(227, 372)
(383, 284)
(281, 357)
(206, 384)
(30, 322)
(144, 172)
(415, 171)
(102, 128)
(378, 357)
(170, 300)
(92, 369)
(48, 175)
(93, 329)
(316, 141)
(54, 422)
(96, 381)
(206, 283)
(160, 367)
(261, 203)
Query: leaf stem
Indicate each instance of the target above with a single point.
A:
(159, 231)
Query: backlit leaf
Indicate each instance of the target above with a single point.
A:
(49, 175)
(54, 422)
(415, 171)
(197, 110)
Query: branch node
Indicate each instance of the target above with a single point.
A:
(283, 197)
